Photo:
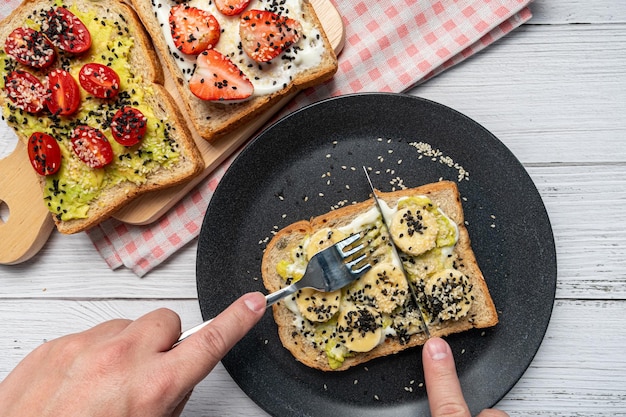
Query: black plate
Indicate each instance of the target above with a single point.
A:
(282, 176)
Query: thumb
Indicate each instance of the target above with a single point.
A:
(200, 352)
(445, 397)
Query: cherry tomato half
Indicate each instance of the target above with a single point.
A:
(64, 93)
(128, 126)
(66, 31)
(30, 47)
(44, 153)
(99, 80)
(26, 91)
(91, 146)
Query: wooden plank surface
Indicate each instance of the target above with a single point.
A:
(573, 374)
(554, 92)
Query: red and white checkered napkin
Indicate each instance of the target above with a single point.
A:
(391, 45)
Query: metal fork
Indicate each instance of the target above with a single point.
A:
(328, 270)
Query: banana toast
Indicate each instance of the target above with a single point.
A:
(376, 316)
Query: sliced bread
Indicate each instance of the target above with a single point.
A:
(376, 316)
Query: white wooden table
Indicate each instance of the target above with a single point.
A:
(554, 92)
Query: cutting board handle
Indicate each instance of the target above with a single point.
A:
(28, 224)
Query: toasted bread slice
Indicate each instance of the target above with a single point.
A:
(317, 344)
(213, 119)
(78, 196)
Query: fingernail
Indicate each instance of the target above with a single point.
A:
(255, 301)
(437, 349)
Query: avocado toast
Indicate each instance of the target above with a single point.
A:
(99, 95)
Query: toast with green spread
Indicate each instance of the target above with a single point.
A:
(376, 315)
(231, 63)
(81, 85)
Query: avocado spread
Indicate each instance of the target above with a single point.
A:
(69, 191)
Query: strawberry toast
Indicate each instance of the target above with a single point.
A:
(231, 59)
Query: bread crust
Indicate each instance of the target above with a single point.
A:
(145, 63)
(215, 119)
(444, 194)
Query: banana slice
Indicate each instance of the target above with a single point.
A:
(318, 306)
(414, 230)
(449, 294)
(408, 323)
(359, 327)
(383, 287)
(322, 239)
(419, 268)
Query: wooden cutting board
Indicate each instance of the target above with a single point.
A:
(28, 224)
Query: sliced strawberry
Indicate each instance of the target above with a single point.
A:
(193, 30)
(218, 78)
(231, 7)
(265, 35)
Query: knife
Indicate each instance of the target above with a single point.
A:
(396, 255)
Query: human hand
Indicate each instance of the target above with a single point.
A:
(442, 383)
(124, 368)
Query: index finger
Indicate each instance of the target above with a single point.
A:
(200, 352)
(445, 397)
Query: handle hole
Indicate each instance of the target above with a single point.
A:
(4, 212)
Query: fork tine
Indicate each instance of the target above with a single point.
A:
(347, 242)
(352, 251)
(356, 262)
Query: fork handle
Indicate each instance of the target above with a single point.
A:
(189, 332)
(270, 299)
(276, 296)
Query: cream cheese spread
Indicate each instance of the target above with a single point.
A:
(268, 77)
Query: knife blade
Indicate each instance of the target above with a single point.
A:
(396, 255)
